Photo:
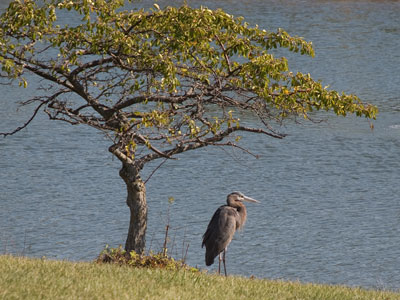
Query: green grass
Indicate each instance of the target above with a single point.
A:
(25, 278)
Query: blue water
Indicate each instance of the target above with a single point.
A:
(330, 192)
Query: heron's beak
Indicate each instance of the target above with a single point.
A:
(248, 199)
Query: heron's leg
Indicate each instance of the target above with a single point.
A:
(223, 259)
(219, 263)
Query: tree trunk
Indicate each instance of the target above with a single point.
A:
(136, 201)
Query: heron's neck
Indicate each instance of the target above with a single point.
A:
(243, 214)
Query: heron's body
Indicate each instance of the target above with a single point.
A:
(223, 225)
(221, 229)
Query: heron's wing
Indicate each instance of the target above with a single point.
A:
(220, 232)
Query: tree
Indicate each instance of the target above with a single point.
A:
(158, 82)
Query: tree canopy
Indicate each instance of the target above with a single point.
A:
(178, 76)
(159, 82)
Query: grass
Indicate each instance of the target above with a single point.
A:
(27, 278)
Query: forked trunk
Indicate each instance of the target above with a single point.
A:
(136, 201)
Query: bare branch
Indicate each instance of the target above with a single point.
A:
(146, 142)
(26, 123)
(91, 64)
(239, 147)
(155, 98)
(49, 77)
(196, 143)
(42, 102)
(152, 173)
(228, 63)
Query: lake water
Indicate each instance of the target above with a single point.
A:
(330, 192)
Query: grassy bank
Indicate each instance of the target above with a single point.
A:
(23, 278)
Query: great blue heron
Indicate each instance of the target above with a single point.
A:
(223, 225)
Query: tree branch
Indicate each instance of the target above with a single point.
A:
(228, 63)
(120, 155)
(213, 140)
(239, 147)
(147, 143)
(156, 98)
(43, 102)
(26, 123)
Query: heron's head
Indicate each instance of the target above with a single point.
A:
(236, 198)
